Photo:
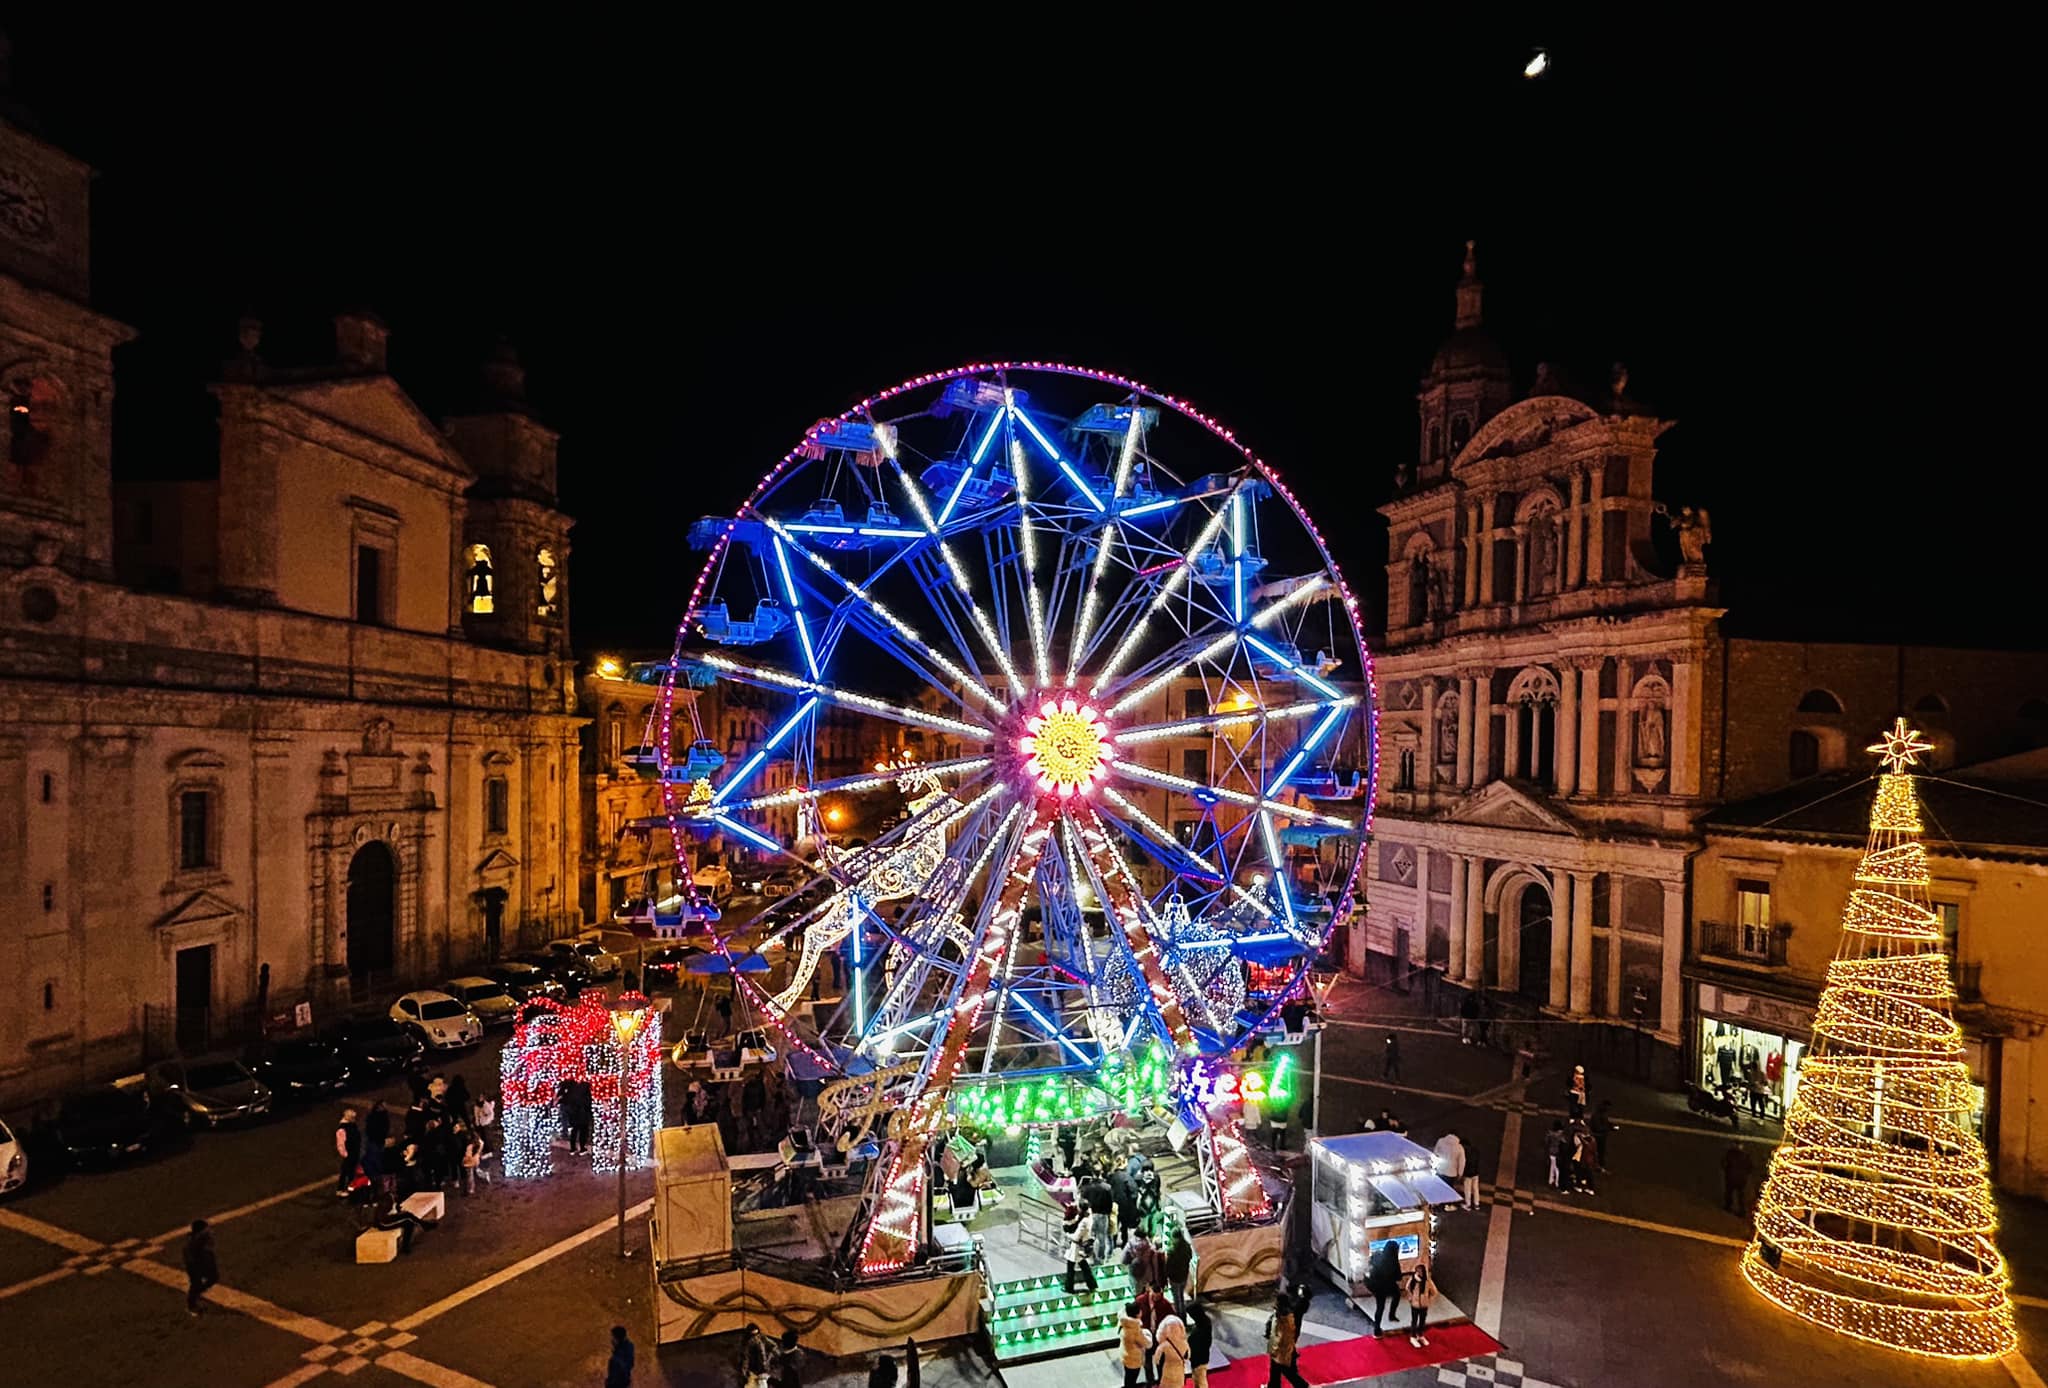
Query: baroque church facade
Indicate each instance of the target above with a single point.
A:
(1561, 705)
(304, 731)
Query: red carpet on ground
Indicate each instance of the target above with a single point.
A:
(1339, 1361)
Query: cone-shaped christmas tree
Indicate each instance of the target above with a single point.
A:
(1876, 1219)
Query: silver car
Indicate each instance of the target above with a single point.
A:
(209, 1090)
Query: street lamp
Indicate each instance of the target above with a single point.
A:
(626, 1021)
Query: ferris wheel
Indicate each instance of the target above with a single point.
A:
(1146, 713)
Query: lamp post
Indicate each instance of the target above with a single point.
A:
(626, 1023)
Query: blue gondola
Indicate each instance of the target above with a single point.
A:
(1331, 785)
(1115, 420)
(972, 395)
(1312, 835)
(706, 530)
(853, 435)
(768, 622)
(988, 485)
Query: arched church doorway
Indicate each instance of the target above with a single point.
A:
(1532, 974)
(372, 910)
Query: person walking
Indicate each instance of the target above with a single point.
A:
(618, 1370)
(1201, 1335)
(348, 1148)
(1450, 1161)
(1553, 1148)
(789, 1362)
(1383, 1280)
(1080, 1253)
(1584, 1157)
(1099, 1198)
(1576, 1095)
(1390, 1059)
(585, 1117)
(202, 1269)
(1153, 1309)
(472, 1157)
(1602, 1124)
(1135, 1342)
(1736, 1169)
(1179, 1262)
(1172, 1353)
(1283, 1331)
(1420, 1289)
(757, 1358)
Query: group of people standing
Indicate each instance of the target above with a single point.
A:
(1576, 1144)
(1162, 1345)
(752, 1114)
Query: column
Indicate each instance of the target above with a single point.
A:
(1475, 922)
(1624, 728)
(1482, 729)
(1560, 938)
(1566, 754)
(1582, 943)
(1589, 727)
(1521, 562)
(1472, 543)
(1672, 1002)
(1684, 751)
(1486, 588)
(1574, 526)
(1456, 969)
(1596, 533)
(1466, 714)
(1425, 774)
(1511, 742)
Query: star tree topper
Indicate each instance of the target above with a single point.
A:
(1899, 748)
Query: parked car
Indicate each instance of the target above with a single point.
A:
(440, 1022)
(208, 1090)
(106, 1122)
(665, 966)
(297, 1069)
(525, 982)
(373, 1046)
(569, 970)
(484, 996)
(714, 878)
(13, 1161)
(600, 962)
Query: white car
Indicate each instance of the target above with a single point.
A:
(13, 1162)
(440, 1022)
(592, 954)
(714, 878)
(486, 997)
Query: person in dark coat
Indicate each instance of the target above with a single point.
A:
(789, 1362)
(1098, 1199)
(458, 1101)
(1125, 1191)
(618, 1370)
(911, 1373)
(1180, 1260)
(1069, 1141)
(883, 1374)
(348, 1150)
(586, 1118)
(1283, 1344)
(1383, 1280)
(202, 1269)
(1200, 1336)
(1144, 1262)
(1390, 1058)
(565, 1105)
(376, 1128)
(1736, 1169)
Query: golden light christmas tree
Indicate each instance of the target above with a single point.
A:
(1876, 1218)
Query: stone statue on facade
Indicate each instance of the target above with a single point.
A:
(1695, 533)
(1650, 735)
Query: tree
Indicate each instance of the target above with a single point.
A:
(1876, 1219)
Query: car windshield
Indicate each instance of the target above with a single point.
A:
(100, 1103)
(484, 992)
(443, 1010)
(215, 1076)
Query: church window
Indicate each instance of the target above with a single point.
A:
(49, 896)
(497, 805)
(1407, 772)
(1819, 701)
(549, 577)
(1461, 433)
(196, 838)
(373, 585)
(1753, 916)
(477, 576)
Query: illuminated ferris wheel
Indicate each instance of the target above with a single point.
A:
(1154, 710)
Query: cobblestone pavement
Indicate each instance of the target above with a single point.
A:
(1636, 1284)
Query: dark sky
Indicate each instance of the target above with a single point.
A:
(703, 239)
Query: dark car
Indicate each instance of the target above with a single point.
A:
(374, 1045)
(298, 1069)
(569, 970)
(666, 965)
(525, 982)
(208, 1090)
(106, 1123)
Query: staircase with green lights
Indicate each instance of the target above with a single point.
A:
(1036, 1316)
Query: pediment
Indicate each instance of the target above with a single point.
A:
(199, 907)
(1504, 805)
(378, 407)
(497, 860)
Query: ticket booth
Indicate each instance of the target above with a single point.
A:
(1369, 1189)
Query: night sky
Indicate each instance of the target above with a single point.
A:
(701, 241)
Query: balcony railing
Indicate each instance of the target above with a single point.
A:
(1747, 944)
(1969, 979)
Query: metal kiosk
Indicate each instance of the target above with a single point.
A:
(1369, 1189)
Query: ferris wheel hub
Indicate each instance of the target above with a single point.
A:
(1064, 745)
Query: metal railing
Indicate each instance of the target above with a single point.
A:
(1749, 944)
